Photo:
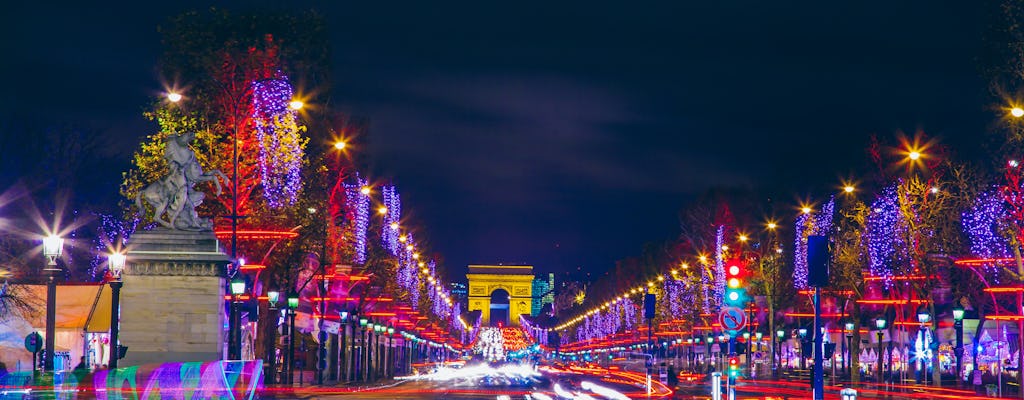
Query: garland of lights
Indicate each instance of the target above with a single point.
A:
(675, 292)
(281, 143)
(806, 225)
(389, 231)
(719, 275)
(983, 223)
(885, 231)
(359, 205)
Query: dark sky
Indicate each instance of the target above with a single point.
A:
(561, 134)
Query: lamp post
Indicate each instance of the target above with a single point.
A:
(53, 247)
(115, 262)
(293, 304)
(779, 334)
(922, 317)
(803, 335)
(958, 324)
(343, 325)
(235, 335)
(880, 325)
(321, 363)
(361, 372)
(273, 297)
(850, 326)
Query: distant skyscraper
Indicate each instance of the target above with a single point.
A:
(543, 293)
(460, 294)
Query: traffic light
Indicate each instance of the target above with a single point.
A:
(735, 282)
(734, 366)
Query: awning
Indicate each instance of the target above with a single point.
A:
(75, 302)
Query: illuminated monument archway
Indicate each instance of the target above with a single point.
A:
(497, 281)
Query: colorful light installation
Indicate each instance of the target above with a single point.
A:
(281, 143)
(885, 232)
(358, 203)
(719, 275)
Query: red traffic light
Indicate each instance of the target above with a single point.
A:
(734, 362)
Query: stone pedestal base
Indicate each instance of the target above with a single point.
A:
(173, 297)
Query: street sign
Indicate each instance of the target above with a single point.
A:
(732, 318)
(34, 342)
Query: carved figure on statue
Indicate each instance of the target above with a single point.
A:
(174, 198)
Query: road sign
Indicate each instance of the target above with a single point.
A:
(33, 342)
(732, 318)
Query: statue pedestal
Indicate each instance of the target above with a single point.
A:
(172, 301)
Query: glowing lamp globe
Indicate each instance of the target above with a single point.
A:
(914, 155)
(849, 326)
(174, 97)
(880, 323)
(273, 297)
(296, 104)
(53, 246)
(293, 300)
(237, 286)
(339, 145)
(1017, 112)
(115, 262)
(958, 313)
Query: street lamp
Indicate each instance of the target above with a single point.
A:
(958, 324)
(922, 317)
(880, 324)
(53, 247)
(115, 263)
(235, 335)
(780, 334)
(273, 297)
(293, 304)
(850, 326)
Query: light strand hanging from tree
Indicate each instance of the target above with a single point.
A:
(885, 231)
(674, 293)
(281, 143)
(389, 232)
(358, 204)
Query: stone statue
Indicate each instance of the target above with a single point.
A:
(173, 197)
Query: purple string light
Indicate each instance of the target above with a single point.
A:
(390, 231)
(807, 224)
(885, 232)
(983, 223)
(359, 205)
(280, 154)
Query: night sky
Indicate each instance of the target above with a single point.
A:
(561, 134)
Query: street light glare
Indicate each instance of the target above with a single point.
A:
(296, 104)
(339, 145)
(1017, 112)
(848, 189)
(914, 155)
(173, 97)
(805, 210)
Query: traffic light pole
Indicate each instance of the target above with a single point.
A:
(818, 380)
